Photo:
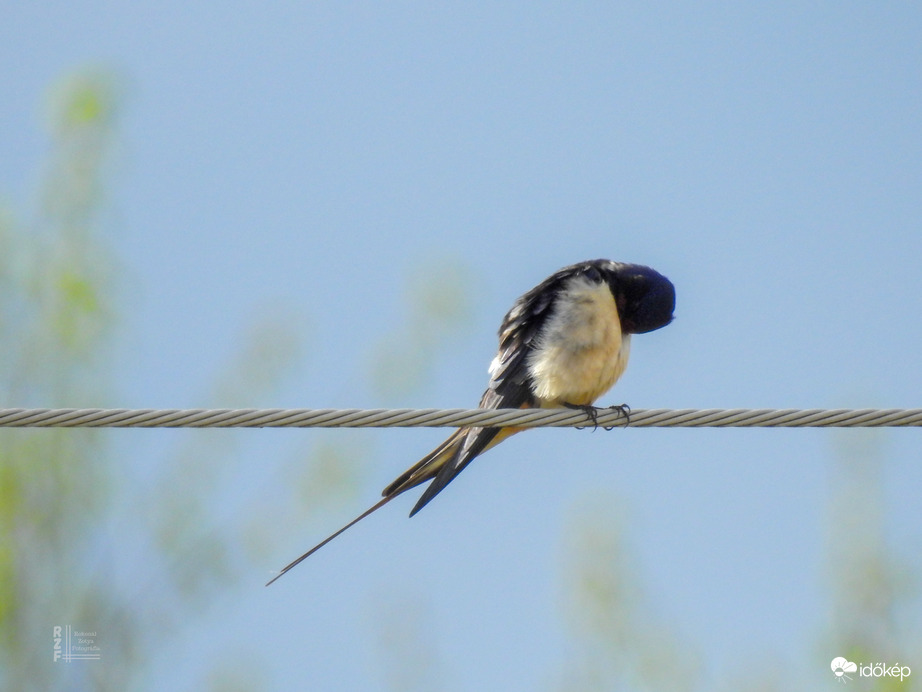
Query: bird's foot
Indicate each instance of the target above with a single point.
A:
(592, 412)
(624, 411)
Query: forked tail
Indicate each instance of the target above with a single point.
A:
(329, 538)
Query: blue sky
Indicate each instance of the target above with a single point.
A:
(306, 159)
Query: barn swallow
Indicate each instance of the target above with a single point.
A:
(564, 343)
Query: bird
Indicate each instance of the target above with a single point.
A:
(564, 343)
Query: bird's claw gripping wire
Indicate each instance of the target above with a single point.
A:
(592, 412)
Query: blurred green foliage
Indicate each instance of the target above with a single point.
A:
(53, 332)
(620, 640)
(57, 500)
(58, 504)
(59, 508)
(872, 585)
(437, 299)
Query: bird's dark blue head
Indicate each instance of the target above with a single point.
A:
(645, 298)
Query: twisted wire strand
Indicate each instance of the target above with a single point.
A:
(451, 418)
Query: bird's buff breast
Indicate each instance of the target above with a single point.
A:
(581, 352)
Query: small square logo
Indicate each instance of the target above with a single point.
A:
(71, 644)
